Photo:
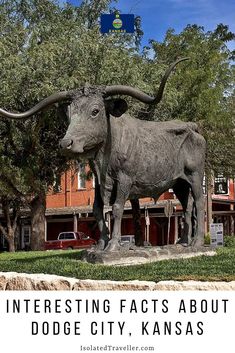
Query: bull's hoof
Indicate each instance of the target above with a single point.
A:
(113, 245)
(101, 244)
(182, 242)
(197, 243)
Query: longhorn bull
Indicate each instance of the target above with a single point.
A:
(132, 158)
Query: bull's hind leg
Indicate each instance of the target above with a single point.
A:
(98, 208)
(197, 192)
(182, 192)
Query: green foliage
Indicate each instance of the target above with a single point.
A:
(67, 263)
(47, 48)
(201, 89)
(229, 241)
(207, 239)
(44, 48)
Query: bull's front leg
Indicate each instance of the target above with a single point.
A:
(118, 208)
(114, 243)
(98, 208)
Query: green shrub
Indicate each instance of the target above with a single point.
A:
(207, 239)
(229, 241)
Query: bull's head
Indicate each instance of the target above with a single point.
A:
(87, 115)
(88, 109)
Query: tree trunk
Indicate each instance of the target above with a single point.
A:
(139, 240)
(38, 208)
(11, 240)
(9, 231)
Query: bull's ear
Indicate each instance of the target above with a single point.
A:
(116, 107)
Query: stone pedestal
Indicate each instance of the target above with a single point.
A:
(139, 255)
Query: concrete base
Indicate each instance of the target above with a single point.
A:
(139, 255)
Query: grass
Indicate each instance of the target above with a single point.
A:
(220, 267)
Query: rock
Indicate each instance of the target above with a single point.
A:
(3, 282)
(113, 285)
(23, 281)
(194, 285)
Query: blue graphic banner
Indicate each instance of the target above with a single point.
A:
(117, 23)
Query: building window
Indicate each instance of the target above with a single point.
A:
(26, 233)
(93, 180)
(82, 177)
(57, 185)
(3, 242)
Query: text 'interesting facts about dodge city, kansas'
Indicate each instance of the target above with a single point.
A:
(123, 317)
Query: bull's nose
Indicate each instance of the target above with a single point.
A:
(66, 143)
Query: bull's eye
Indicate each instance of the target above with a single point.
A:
(95, 112)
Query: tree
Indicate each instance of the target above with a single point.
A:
(50, 48)
(201, 89)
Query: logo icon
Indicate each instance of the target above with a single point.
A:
(117, 23)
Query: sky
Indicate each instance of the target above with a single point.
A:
(159, 15)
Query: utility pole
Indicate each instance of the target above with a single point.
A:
(168, 210)
(209, 188)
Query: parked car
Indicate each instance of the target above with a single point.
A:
(131, 239)
(128, 239)
(69, 241)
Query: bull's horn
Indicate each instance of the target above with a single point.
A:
(135, 93)
(54, 98)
